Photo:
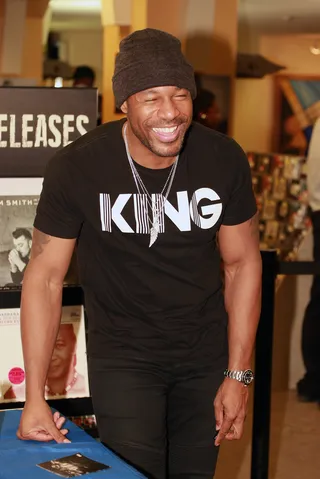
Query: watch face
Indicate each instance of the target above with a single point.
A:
(248, 377)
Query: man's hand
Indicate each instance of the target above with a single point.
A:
(38, 424)
(15, 260)
(230, 408)
(11, 258)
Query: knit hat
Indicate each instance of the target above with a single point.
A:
(147, 59)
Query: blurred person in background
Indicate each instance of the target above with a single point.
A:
(85, 77)
(207, 111)
(309, 386)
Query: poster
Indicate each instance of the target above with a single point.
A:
(18, 203)
(297, 108)
(37, 122)
(67, 376)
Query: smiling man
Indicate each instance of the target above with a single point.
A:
(145, 198)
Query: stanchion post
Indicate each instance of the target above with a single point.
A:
(263, 370)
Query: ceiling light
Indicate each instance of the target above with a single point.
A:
(76, 5)
(315, 49)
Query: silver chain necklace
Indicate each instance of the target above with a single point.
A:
(156, 206)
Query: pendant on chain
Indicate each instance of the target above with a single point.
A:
(154, 232)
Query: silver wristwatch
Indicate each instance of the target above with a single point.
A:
(245, 377)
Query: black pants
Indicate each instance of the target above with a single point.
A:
(160, 420)
(311, 325)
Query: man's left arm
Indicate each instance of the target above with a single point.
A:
(239, 247)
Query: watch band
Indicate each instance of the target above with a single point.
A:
(245, 376)
(237, 375)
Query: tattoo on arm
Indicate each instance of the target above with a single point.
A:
(39, 242)
(254, 226)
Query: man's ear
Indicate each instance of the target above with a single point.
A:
(124, 107)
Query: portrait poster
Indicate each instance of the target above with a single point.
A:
(67, 376)
(296, 109)
(19, 198)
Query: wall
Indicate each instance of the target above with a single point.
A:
(254, 102)
(21, 27)
(83, 47)
(253, 114)
(170, 16)
(293, 52)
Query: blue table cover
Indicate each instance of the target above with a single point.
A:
(19, 459)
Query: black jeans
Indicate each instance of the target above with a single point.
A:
(311, 323)
(159, 419)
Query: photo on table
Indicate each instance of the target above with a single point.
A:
(73, 466)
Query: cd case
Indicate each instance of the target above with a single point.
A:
(76, 465)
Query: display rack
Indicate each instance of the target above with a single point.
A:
(280, 187)
(39, 122)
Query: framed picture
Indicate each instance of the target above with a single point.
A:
(297, 106)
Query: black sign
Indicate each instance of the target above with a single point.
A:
(37, 122)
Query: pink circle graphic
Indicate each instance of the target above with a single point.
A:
(16, 375)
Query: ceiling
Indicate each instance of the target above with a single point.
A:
(265, 16)
(281, 16)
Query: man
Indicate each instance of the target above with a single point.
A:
(309, 386)
(62, 378)
(19, 256)
(206, 110)
(84, 77)
(147, 197)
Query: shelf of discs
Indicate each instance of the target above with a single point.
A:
(280, 185)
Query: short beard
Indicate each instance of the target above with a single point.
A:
(159, 152)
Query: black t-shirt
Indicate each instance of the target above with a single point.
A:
(163, 301)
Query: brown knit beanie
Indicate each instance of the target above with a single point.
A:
(150, 58)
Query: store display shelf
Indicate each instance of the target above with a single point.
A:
(11, 297)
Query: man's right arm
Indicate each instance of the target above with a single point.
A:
(41, 303)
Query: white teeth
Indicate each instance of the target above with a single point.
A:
(165, 130)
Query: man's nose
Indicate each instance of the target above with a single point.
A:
(168, 110)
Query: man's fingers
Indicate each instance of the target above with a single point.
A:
(224, 430)
(41, 436)
(218, 412)
(56, 434)
(56, 416)
(237, 428)
(60, 422)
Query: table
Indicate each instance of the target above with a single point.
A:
(20, 458)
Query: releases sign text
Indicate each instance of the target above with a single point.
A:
(40, 131)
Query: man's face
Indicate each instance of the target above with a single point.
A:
(63, 354)
(159, 118)
(22, 245)
(213, 115)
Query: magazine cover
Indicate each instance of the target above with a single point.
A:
(67, 376)
(19, 198)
